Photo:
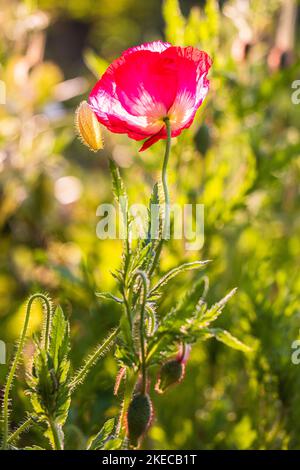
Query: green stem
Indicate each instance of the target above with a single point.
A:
(92, 359)
(144, 285)
(127, 309)
(166, 226)
(55, 434)
(23, 427)
(48, 324)
(11, 374)
(165, 181)
(130, 381)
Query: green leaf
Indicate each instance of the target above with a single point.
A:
(154, 206)
(215, 311)
(59, 337)
(174, 272)
(137, 259)
(108, 296)
(113, 444)
(120, 196)
(180, 323)
(103, 435)
(49, 379)
(227, 338)
(185, 310)
(117, 181)
(33, 447)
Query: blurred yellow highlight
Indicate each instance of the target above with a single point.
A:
(15, 323)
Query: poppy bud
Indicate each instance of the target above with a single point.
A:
(88, 127)
(139, 416)
(171, 372)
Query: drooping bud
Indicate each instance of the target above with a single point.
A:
(172, 372)
(88, 127)
(139, 417)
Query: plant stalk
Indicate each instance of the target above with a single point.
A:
(11, 374)
(55, 434)
(166, 225)
(144, 286)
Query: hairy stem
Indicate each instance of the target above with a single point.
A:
(165, 181)
(92, 359)
(127, 309)
(11, 374)
(130, 381)
(55, 434)
(22, 428)
(166, 225)
(143, 278)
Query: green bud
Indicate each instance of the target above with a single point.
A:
(171, 372)
(138, 417)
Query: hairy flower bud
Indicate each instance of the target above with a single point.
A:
(139, 416)
(88, 127)
(171, 372)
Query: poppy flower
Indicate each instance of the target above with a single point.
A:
(147, 84)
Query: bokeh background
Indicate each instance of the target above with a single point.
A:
(241, 158)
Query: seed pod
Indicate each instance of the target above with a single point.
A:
(139, 416)
(88, 127)
(171, 373)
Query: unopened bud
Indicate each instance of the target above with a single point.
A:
(171, 373)
(88, 127)
(139, 416)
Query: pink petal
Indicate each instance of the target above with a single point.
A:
(155, 46)
(192, 68)
(146, 84)
(155, 138)
(126, 108)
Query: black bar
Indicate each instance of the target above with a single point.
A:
(136, 459)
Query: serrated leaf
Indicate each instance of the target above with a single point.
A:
(174, 272)
(186, 309)
(113, 444)
(33, 448)
(179, 323)
(211, 314)
(121, 198)
(117, 181)
(154, 206)
(103, 435)
(59, 337)
(108, 296)
(227, 338)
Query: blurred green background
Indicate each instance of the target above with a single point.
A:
(241, 158)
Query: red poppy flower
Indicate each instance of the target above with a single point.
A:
(149, 83)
